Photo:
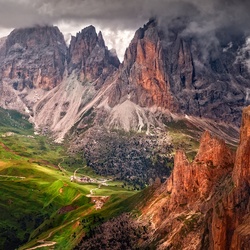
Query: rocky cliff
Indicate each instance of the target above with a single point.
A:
(166, 67)
(205, 204)
(32, 63)
(90, 57)
(89, 64)
(142, 77)
(34, 58)
(165, 71)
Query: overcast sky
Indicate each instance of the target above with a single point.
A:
(118, 19)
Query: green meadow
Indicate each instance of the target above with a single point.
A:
(40, 207)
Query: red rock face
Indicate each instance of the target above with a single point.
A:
(214, 152)
(164, 68)
(34, 58)
(241, 174)
(142, 77)
(193, 181)
(206, 204)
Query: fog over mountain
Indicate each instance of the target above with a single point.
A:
(118, 14)
(115, 16)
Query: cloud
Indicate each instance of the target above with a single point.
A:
(117, 14)
(114, 16)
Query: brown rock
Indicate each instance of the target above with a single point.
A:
(241, 174)
(34, 58)
(142, 77)
(206, 185)
(201, 186)
(164, 68)
(89, 57)
(214, 151)
(192, 181)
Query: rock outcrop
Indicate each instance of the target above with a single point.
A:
(89, 56)
(89, 65)
(193, 181)
(142, 77)
(166, 68)
(33, 58)
(242, 166)
(205, 204)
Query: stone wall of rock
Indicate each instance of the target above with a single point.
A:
(205, 204)
(90, 58)
(33, 58)
(165, 68)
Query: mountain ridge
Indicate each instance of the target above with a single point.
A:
(161, 73)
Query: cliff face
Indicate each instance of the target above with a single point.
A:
(36, 58)
(167, 68)
(193, 181)
(242, 166)
(89, 64)
(230, 227)
(205, 204)
(142, 77)
(89, 56)
(33, 58)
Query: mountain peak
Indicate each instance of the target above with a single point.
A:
(43, 48)
(100, 39)
(89, 56)
(88, 30)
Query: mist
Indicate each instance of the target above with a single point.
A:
(114, 17)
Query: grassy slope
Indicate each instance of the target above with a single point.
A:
(12, 121)
(35, 194)
(184, 136)
(31, 206)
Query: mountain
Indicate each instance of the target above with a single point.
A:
(31, 58)
(132, 121)
(89, 64)
(205, 204)
(82, 93)
(166, 67)
(88, 54)
(165, 71)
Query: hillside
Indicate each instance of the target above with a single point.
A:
(90, 145)
(39, 203)
(204, 204)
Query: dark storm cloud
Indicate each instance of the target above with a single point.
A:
(122, 14)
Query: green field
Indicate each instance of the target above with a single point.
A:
(40, 207)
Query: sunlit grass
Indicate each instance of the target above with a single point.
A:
(37, 199)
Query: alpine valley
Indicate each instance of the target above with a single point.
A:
(143, 154)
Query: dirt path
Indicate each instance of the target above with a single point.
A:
(10, 176)
(91, 191)
(60, 167)
(44, 243)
